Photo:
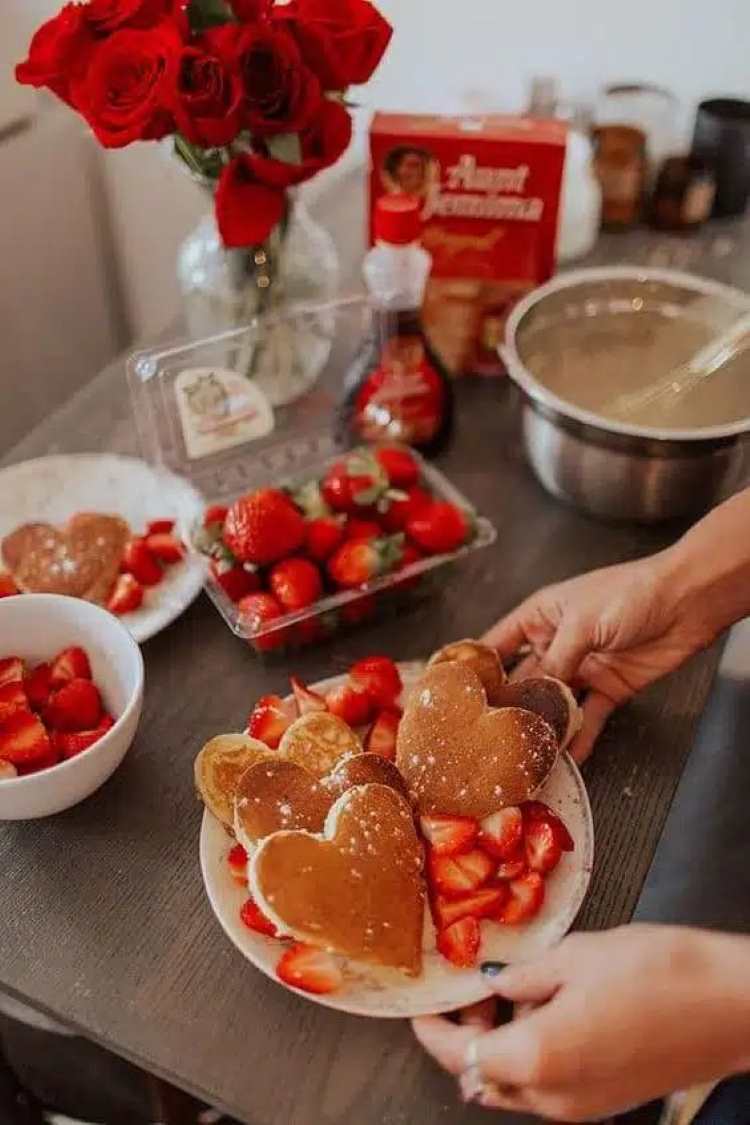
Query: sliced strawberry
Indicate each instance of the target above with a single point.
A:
(76, 706)
(512, 867)
(401, 466)
(449, 835)
(543, 852)
(312, 970)
(70, 664)
(501, 832)
(23, 739)
(237, 860)
(362, 529)
(351, 703)
(323, 535)
(307, 699)
(255, 919)
(537, 810)
(138, 561)
(12, 698)
(8, 587)
(459, 942)
(68, 744)
(165, 547)
(45, 763)
(159, 527)
(11, 670)
(126, 596)
(38, 684)
(483, 903)
(7, 770)
(380, 678)
(381, 738)
(526, 899)
(457, 875)
(215, 514)
(235, 579)
(270, 718)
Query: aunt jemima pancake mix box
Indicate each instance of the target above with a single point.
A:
(490, 189)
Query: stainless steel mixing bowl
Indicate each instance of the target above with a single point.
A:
(614, 469)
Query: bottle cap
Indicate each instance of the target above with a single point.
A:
(397, 219)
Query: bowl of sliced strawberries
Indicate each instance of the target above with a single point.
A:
(71, 692)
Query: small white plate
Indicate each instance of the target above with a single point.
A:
(370, 991)
(53, 489)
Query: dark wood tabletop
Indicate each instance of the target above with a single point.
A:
(105, 924)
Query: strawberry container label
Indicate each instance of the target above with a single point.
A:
(489, 188)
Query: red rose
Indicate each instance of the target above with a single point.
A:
(250, 11)
(321, 145)
(246, 210)
(342, 41)
(208, 94)
(129, 84)
(280, 94)
(58, 53)
(107, 15)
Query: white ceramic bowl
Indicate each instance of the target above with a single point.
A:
(36, 627)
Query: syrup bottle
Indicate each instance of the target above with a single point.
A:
(396, 389)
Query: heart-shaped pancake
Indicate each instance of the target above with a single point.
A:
(81, 559)
(318, 741)
(482, 659)
(459, 756)
(274, 795)
(357, 889)
(547, 697)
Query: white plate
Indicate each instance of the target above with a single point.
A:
(370, 991)
(53, 489)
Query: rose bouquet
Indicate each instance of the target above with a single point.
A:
(253, 92)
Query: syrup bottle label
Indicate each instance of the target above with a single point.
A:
(403, 398)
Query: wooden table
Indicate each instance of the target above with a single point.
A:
(105, 924)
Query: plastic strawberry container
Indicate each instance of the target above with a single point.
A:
(198, 415)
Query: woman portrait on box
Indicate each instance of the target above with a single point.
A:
(608, 1021)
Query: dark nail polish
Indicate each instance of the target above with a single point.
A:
(492, 968)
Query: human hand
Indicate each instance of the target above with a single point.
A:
(611, 1020)
(610, 632)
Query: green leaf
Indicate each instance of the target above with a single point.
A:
(286, 147)
(208, 13)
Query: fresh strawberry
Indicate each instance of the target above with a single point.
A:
(357, 561)
(381, 737)
(138, 561)
(165, 547)
(403, 506)
(307, 700)
(159, 527)
(258, 613)
(459, 943)
(235, 579)
(323, 535)
(7, 586)
(23, 739)
(354, 484)
(11, 669)
(526, 899)
(126, 596)
(237, 860)
(362, 529)
(75, 706)
(351, 703)
(360, 609)
(70, 664)
(501, 832)
(312, 970)
(537, 810)
(308, 631)
(7, 770)
(12, 698)
(543, 852)
(270, 718)
(410, 556)
(438, 528)
(483, 903)
(513, 867)
(380, 678)
(215, 514)
(68, 744)
(401, 466)
(255, 919)
(263, 527)
(38, 684)
(296, 583)
(456, 875)
(449, 835)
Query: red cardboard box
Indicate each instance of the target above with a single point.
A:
(490, 190)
